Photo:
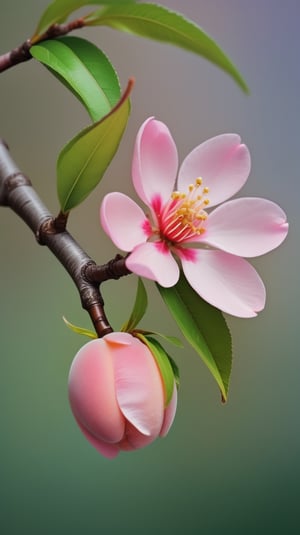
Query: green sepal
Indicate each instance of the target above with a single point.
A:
(204, 327)
(139, 308)
(80, 330)
(175, 371)
(59, 10)
(84, 70)
(156, 22)
(164, 364)
(83, 161)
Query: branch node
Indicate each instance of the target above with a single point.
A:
(15, 180)
(86, 269)
(11, 182)
(46, 228)
(51, 226)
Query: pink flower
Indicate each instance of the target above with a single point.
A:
(210, 245)
(117, 394)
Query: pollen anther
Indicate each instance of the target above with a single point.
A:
(183, 217)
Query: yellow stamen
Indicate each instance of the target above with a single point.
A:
(185, 216)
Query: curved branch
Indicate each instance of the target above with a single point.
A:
(16, 192)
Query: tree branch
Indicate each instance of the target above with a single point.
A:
(22, 52)
(16, 192)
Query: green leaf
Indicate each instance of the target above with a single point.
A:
(59, 10)
(157, 22)
(163, 363)
(80, 330)
(139, 308)
(83, 161)
(204, 327)
(171, 339)
(83, 69)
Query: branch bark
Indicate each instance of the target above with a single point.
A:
(16, 192)
(22, 52)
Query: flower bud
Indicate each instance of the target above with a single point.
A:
(117, 394)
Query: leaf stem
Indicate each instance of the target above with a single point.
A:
(16, 192)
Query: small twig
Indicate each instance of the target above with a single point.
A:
(114, 269)
(58, 30)
(22, 52)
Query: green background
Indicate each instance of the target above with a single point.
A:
(233, 468)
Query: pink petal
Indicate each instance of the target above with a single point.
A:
(170, 412)
(155, 161)
(118, 338)
(92, 392)
(222, 162)
(246, 227)
(227, 282)
(134, 440)
(123, 221)
(107, 450)
(155, 262)
(139, 388)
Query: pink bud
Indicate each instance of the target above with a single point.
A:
(117, 394)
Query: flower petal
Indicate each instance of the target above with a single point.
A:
(92, 392)
(227, 282)
(118, 338)
(155, 162)
(134, 439)
(170, 412)
(123, 221)
(222, 162)
(107, 450)
(246, 227)
(154, 261)
(139, 388)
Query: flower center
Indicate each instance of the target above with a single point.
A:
(183, 217)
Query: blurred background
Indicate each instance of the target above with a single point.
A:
(232, 468)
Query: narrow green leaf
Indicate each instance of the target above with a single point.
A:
(157, 22)
(83, 161)
(171, 339)
(139, 308)
(84, 70)
(204, 327)
(163, 363)
(80, 330)
(59, 10)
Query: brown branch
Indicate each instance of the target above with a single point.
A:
(22, 52)
(16, 192)
(114, 269)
